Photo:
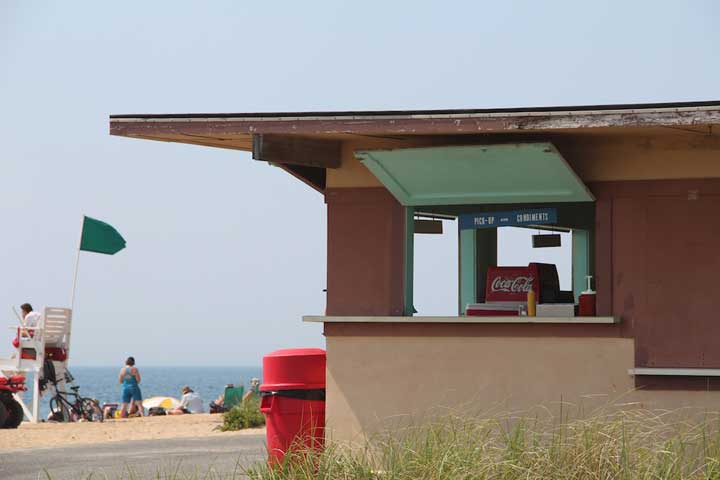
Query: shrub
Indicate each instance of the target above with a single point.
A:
(245, 415)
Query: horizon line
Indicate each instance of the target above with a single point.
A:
(174, 366)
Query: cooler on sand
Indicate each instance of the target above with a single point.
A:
(293, 400)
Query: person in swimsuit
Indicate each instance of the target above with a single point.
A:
(129, 378)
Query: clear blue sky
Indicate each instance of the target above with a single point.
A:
(224, 253)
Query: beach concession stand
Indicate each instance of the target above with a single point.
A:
(636, 186)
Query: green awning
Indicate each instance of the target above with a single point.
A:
(481, 174)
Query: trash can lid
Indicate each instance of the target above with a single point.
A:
(294, 369)
(294, 352)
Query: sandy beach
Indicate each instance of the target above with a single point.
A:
(49, 435)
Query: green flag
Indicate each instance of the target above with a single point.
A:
(99, 237)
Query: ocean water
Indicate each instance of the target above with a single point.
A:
(101, 383)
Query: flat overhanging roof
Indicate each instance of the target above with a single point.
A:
(305, 144)
(235, 130)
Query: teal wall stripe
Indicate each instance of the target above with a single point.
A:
(409, 260)
(580, 260)
(468, 269)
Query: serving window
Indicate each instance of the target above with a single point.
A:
(491, 186)
(506, 250)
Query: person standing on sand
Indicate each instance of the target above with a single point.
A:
(129, 378)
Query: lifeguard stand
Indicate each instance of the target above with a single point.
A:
(50, 340)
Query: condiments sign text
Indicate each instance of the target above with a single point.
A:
(537, 216)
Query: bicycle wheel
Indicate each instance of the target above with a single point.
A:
(58, 411)
(91, 411)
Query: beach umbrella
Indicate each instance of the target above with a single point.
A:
(168, 403)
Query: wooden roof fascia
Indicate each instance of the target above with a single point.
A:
(410, 125)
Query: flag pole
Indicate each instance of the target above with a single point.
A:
(77, 265)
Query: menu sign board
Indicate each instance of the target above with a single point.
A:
(511, 218)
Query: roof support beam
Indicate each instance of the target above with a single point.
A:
(286, 149)
(314, 177)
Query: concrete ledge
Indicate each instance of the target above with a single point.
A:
(469, 320)
(680, 372)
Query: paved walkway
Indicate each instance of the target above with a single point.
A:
(144, 458)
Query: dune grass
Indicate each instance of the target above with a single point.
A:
(625, 445)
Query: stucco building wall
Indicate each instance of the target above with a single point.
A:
(375, 383)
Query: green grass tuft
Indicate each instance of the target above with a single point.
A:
(245, 415)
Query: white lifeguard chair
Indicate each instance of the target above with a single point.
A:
(49, 339)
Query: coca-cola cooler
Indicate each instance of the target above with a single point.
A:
(506, 290)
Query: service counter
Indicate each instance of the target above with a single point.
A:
(467, 326)
(464, 320)
(381, 367)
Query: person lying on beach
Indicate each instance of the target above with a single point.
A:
(129, 378)
(218, 405)
(135, 409)
(189, 403)
(109, 410)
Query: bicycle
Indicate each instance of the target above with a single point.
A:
(82, 408)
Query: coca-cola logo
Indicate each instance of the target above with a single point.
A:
(512, 284)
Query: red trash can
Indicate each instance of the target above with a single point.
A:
(293, 400)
